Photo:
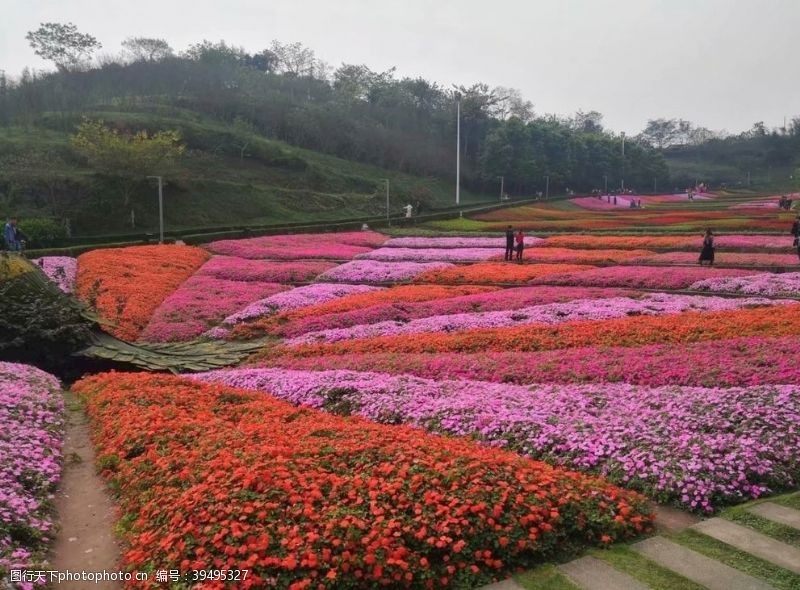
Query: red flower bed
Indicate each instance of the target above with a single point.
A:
(220, 478)
(496, 272)
(126, 285)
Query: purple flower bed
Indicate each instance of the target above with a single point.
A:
(243, 269)
(719, 363)
(432, 254)
(331, 246)
(373, 271)
(697, 447)
(553, 313)
(783, 284)
(294, 298)
(31, 437)
(498, 243)
(201, 303)
(62, 270)
(504, 299)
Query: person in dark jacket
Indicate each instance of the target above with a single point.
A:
(707, 253)
(796, 234)
(509, 243)
(10, 238)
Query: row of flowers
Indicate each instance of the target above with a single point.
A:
(430, 254)
(691, 326)
(496, 273)
(62, 270)
(31, 437)
(223, 478)
(455, 242)
(393, 307)
(232, 268)
(334, 246)
(730, 258)
(734, 241)
(377, 272)
(126, 285)
(753, 360)
(783, 284)
(552, 255)
(639, 277)
(700, 448)
(551, 314)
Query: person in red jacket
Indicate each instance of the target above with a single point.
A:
(520, 239)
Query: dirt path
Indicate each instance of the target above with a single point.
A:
(86, 516)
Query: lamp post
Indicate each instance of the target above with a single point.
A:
(458, 148)
(502, 182)
(546, 187)
(160, 208)
(622, 178)
(386, 180)
(605, 179)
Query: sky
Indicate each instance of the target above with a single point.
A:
(722, 64)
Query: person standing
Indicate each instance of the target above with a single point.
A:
(796, 234)
(509, 244)
(707, 253)
(520, 239)
(10, 235)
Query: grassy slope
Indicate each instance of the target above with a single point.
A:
(273, 183)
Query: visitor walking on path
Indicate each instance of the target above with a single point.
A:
(796, 234)
(10, 236)
(520, 245)
(707, 253)
(509, 244)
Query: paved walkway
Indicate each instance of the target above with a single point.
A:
(590, 573)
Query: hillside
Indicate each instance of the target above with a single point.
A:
(221, 179)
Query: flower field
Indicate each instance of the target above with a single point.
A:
(416, 412)
(303, 498)
(31, 435)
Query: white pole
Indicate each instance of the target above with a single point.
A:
(605, 178)
(160, 210)
(387, 199)
(546, 187)
(623, 163)
(458, 149)
(502, 181)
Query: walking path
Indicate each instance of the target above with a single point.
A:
(85, 541)
(591, 573)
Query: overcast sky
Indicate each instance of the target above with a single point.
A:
(723, 64)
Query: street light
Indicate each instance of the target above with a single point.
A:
(458, 148)
(605, 179)
(386, 180)
(546, 187)
(502, 182)
(160, 208)
(622, 179)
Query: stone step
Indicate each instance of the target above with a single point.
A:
(589, 573)
(752, 542)
(696, 567)
(777, 513)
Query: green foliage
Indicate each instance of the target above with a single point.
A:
(62, 44)
(128, 157)
(42, 232)
(39, 324)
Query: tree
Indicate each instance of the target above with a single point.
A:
(147, 48)
(128, 158)
(591, 122)
(294, 59)
(511, 103)
(660, 133)
(62, 44)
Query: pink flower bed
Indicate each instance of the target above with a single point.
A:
(62, 270)
(504, 299)
(201, 303)
(595, 204)
(243, 269)
(334, 246)
(767, 284)
(700, 447)
(640, 277)
(720, 363)
(553, 313)
(739, 258)
(431, 254)
(374, 271)
(295, 298)
(498, 243)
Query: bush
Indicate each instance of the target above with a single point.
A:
(42, 232)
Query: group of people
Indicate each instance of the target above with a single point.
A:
(13, 237)
(707, 253)
(515, 244)
(785, 203)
